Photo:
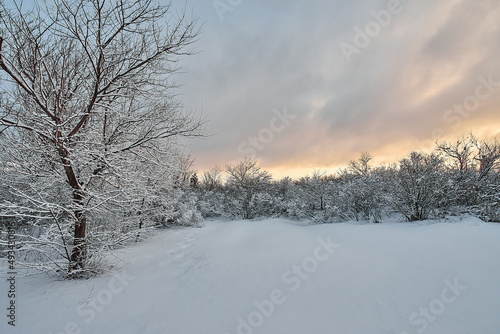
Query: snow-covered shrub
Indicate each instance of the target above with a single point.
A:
(186, 212)
(488, 207)
(419, 188)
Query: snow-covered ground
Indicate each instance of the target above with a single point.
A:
(277, 276)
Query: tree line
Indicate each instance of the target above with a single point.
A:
(460, 177)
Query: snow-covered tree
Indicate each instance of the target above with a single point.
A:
(88, 110)
(361, 191)
(419, 187)
(488, 157)
(245, 180)
(460, 152)
(212, 179)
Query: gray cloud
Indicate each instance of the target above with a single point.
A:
(271, 54)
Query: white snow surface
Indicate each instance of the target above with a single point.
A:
(281, 277)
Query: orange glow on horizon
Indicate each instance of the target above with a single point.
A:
(386, 154)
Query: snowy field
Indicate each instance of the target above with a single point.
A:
(278, 277)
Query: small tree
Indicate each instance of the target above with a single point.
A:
(212, 179)
(361, 194)
(245, 180)
(461, 152)
(488, 179)
(419, 188)
(488, 157)
(362, 165)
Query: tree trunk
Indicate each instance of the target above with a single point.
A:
(79, 252)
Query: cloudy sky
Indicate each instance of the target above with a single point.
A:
(305, 85)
